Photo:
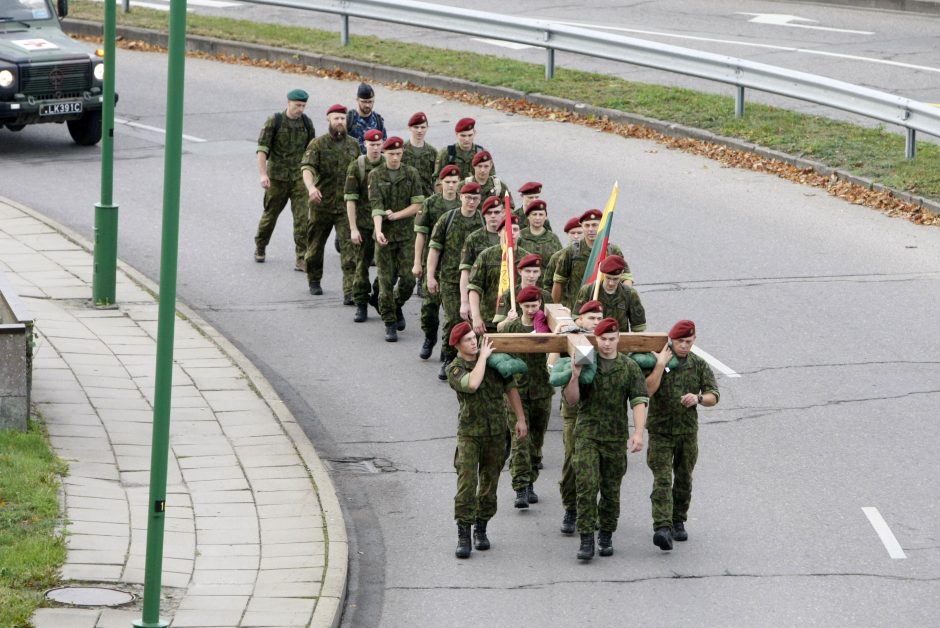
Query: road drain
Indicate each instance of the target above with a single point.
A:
(89, 596)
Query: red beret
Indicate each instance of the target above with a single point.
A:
(464, 124)
(532, 187)
(591, 214)
(613, 265)
(682, 329)
(372, 135)
(532, 260)
(606, 326)
(573, 223)
(393, 143)
(528, 294)
(502, 222)
(483, 155)
(418, 118)
(459, 330)
(336, 109)
(489, 203)
(450, 170)
(591, 306)
(470, 188)
(537, 205)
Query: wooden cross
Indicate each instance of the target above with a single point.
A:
(579, 346)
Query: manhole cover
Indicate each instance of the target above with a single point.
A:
(89, 596)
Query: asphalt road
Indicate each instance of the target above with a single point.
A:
(826, 311)
(890, 51)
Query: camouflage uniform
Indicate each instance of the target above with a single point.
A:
(572, 261)
(484, 279)
(421, 159)
(567, 485)
(481, 440)
(624, 305)
(461, 158)
(394, 190)
(504, 302)
(600, 439)
(448, 236)
(357, 126)
(357, 189)
(548, 272)
(328, 160)
(673, 436)
(474, 244)
(536, 394)
(544, 245)
(493, 187)
(432, 209)
(287, 183)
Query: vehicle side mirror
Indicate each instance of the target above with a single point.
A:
(63, 6)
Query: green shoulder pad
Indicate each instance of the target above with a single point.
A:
(647, 361)
(561, 372)
(507, 365)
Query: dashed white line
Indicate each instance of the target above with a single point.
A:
(155, 129)
(714, 362)
(884, 532)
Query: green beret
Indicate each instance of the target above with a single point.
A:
(298, 94)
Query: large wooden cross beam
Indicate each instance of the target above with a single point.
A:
(579, 346)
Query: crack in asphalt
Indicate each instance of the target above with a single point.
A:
(395, 442)
(838, 364)
(698, 284)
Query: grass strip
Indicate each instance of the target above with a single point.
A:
(30, 550)
(872, 153)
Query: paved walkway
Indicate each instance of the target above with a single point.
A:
(254, 532)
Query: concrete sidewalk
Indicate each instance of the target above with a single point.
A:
(254, 531)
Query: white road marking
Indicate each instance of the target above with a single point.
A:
(714, 362)
(503, 44)
(155, 129)
(884, 532)
(779, 19)
(911, 66)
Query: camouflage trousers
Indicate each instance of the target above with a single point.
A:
(569, 490)
(321, 223)
(275, 200)
(364, 253)
(599, 467)
(396, 283)
(527, 453)
(430, 309)
(450, 299)
(671, 458)
(478, 461)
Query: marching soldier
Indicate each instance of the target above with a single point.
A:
(364, 117)
(490, 184)
(620, 300)
(529, 192)
(574, 233)
(483, 282)
(324, 172)
(675, 394)
(359, 215)
(419, 154)
(529, 271)
(395, 194)
(482, 394)
(601, 436)
(475, 244)
(461, 153)
(281, 145)
(538, 238)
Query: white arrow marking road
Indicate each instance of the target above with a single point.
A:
(780, 19)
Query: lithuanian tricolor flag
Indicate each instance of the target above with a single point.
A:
(508, 265)
(599, 250)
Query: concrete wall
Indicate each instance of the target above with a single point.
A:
(16, 335)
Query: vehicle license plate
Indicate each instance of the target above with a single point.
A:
(61, 108)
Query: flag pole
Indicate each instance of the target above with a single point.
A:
(510, 255)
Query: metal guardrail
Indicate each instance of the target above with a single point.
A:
(912, 115)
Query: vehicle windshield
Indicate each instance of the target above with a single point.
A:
(24, 10)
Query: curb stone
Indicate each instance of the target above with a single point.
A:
(383, 73)
(329, 607)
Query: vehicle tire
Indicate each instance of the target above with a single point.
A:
(86, 131)
(16, 127)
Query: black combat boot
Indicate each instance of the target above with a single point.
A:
(533, 498)
(605, 543)
(259, 254)
(522, 498)
(443, 358)
(361, 313)
(480, 541)
(429, 342)
(348, 300)
(567, 522)
(663, 539)
(678, 531)
(442, 374)
(390, 334)
(400, 319)
(315, 288)
(463, 541)
(586, 551)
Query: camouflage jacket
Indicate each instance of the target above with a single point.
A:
(448, 236)
(533, 384)
(667, 415)
(547, 279)
(286, 150)
(544, 245)
(432, 209)
(572, 260)
(484, 279)
(422, 159)
(483, 412)
(493, 187)
(624, 305)
(328, 160)
(357, 189)
(618, 385)
(395, 191)
(474, 245)
(461, 158)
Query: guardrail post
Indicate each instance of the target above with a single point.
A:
(739, 101)
(910, 144)
(549, 63)
(344, 30)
